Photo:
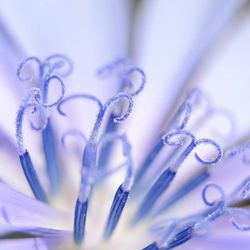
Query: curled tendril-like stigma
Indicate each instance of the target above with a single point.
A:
(127, 81)
(73, 132)
(213, 143)
(167, 138)
(59, 62)
(78, 96)
(118, 98)
(46, 88)
(217, 188)
(23, 65)
(53, 63)
(194, 143)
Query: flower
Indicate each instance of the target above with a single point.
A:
(137, 178)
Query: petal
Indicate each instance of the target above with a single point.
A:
(20, 210)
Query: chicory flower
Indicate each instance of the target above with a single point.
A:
(133, 185)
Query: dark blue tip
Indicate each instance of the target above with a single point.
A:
(51, 158)
(31, 177)
(117, 207)
(152, 246)
(184, 190)
(153, 194)
(80, 221)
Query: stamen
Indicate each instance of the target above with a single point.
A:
(167, 176)
(46, 77)
(122, 193)
(24, 156)
(90, 154)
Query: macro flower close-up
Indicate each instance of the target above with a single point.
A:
(125, 124)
